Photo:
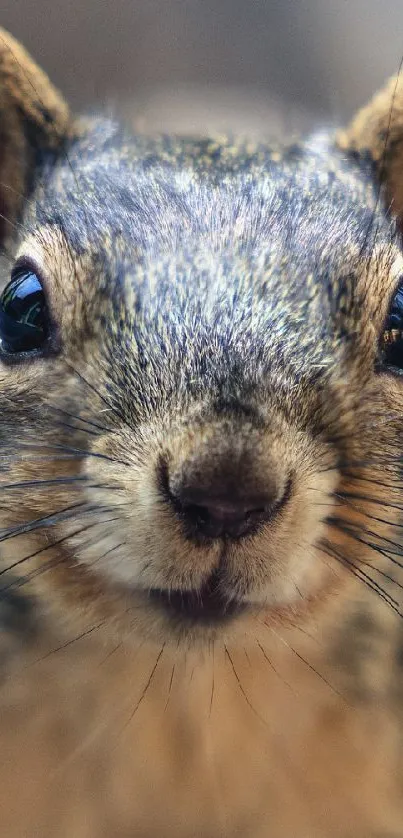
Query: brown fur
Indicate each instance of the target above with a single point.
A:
(27, 99)
(117, 720)
(377, 130)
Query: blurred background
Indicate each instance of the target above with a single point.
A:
(255, 66)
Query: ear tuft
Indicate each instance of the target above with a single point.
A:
(33, 117)
(377, 131)
(379, 124)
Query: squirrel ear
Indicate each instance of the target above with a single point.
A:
(377, 130)
(33, 118)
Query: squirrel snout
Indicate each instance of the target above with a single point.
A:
(214, 517)
(223, 500)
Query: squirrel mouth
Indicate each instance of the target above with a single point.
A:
(206, 605)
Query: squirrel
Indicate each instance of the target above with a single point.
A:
(201, 360)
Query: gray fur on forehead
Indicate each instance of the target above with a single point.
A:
(163, 194)
(212, 256)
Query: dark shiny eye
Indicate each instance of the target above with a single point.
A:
(392, 336)
(24, 316)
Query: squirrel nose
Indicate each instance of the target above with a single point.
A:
(228, 500)
(215, 517)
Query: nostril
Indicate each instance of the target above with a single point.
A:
(218, 504)
(215, 519)
(204, 515)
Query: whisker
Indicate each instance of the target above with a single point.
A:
(170, 687)
(45, 458)
(338, 524)
(145, 690)
(80, 418)
(212, 680)
(245, 695)
(367, 514)
(377, 463)
(56, 517)
(247, 656)
(54, 481)
(15, 224)
(72, 450)
(272, 667)
(47, 520)
(396, 484)
(47, 547)
(370, 499)
(51, 563)
(111, 550)
(356, 526)
(360, 574)
(69, 642)
(12, 189)
(374, 567)
(112, 652)
(304, 661)
(106, 402)
(89, 431)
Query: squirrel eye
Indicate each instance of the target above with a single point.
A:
(392, 337)
(24, 317)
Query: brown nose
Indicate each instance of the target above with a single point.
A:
(224, 506)
(218, 517)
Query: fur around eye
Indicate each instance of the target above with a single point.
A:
(24, 317)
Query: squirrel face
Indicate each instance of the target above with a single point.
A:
(200, 427)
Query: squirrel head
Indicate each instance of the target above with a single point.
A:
(201, 408)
